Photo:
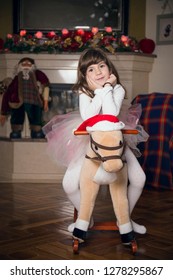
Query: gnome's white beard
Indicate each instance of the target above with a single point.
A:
(25, 71)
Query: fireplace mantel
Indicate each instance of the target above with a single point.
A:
(133, 68)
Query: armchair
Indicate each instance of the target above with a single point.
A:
(157, 152)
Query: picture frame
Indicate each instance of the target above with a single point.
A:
(164, 32)
(54, 15)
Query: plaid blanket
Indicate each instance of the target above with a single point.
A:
(157, 152)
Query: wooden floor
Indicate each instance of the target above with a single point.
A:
(34, 220)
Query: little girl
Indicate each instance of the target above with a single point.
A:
(100, 92)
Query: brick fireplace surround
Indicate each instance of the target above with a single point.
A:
(26, 160)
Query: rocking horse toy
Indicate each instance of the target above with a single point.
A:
(104, 165)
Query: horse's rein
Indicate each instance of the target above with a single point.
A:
(99, 157)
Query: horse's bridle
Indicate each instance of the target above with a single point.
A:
(103, 159)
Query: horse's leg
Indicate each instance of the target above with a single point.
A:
(89, 191)
(118, 191)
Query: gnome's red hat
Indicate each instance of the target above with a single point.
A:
(101, 123)
(27, 59)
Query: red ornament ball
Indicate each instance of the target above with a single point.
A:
(147, 45)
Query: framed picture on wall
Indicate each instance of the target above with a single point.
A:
(164, 32)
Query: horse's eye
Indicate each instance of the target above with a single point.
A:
(120, 143)
(96, 148)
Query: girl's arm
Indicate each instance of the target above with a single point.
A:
(90, 107)
(107, 100)
(112, 102)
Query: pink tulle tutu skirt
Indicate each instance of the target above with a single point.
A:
(64, 147)
(130, 116)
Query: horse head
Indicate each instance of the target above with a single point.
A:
(107, 147)
(106, 141)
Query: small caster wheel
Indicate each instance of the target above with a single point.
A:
(134, 246)
(75, 246)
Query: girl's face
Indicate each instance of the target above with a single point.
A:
(98, 73)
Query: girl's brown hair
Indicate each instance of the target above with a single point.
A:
(89, 57)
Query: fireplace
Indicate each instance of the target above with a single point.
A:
(62, 98)
(62, 101)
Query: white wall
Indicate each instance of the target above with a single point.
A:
(161, 77)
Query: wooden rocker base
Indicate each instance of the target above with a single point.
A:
(76, 245)
(102, 226)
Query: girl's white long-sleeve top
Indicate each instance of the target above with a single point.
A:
(107, 100)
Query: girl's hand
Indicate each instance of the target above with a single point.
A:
(3, 119)
(93, 85)
(112, 80)
(45, 106)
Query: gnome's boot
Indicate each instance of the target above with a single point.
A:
(36, 132)
(15, 135)
(16, 131)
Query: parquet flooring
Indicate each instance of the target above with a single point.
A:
(34, 220)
